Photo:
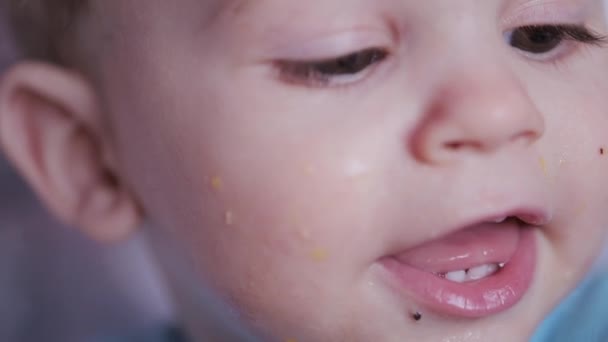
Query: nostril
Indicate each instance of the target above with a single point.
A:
(453, 145)
(460, 145)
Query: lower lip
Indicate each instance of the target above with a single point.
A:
(477, 299)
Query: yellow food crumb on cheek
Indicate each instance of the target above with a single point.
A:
(580, 209)
(543, 166)
(310, 170)
(217, 183)
(319, 254)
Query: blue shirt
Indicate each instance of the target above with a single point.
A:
(582, 316)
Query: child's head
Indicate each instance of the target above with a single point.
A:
(331, 170)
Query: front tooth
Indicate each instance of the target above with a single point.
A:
(500, 219)
(456, 276)
(480, 272)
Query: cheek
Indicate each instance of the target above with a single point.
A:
(275, 229)
(285, 209)
(575, 148)
(266, 212)
(273, 184)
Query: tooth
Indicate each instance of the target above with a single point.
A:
(480, 272)
(456, 276)
(500, 219)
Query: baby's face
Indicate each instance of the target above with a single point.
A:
(367, 170)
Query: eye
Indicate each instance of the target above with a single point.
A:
(334, 71)
(536, 39)
(349, 64)
(542, 39)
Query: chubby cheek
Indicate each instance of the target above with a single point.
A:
(271, 201)
(286, 220)
(575, 162)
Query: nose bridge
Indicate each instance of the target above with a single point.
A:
(475, 109)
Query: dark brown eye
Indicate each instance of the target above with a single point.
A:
(536, 39)
(541, 39)
(349, 64)
(339, 70)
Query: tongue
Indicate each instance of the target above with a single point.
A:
(486, 243)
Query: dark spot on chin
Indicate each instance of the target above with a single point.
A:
(417, 316)
(602, 151)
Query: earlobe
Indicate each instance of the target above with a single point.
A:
(52, 131)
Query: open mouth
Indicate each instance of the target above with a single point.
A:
(480, 270)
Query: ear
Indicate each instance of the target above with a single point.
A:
(51, 130)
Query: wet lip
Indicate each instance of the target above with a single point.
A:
(418, 274)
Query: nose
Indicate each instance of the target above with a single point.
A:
(475, 112)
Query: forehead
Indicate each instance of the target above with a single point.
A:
(148, 17)
(241, 7)
(214, 8)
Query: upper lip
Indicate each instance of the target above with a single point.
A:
(531, 216)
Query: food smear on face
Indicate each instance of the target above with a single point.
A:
(216, 183)
(319, 254)
(543, 166)
(580, 209)
(310, 169)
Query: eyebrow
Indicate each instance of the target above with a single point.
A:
(583, 7)
(533, 2)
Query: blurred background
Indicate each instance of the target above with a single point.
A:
(55, 285)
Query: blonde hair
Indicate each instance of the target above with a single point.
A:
(40, 27)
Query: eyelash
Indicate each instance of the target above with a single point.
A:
(578, 32)
(559, 34)
(318, 74)
(312, 73)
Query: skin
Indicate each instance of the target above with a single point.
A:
(281, 197)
